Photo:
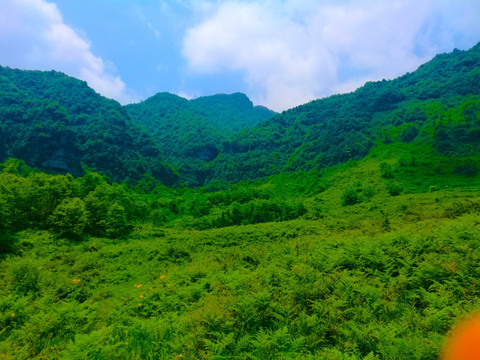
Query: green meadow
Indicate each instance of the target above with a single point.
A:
(350, 269)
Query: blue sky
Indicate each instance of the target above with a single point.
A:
(281, 53)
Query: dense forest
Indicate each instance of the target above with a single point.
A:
(438, 104)
(346, 228)
(191, 133)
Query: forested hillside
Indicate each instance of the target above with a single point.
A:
(437, 105)
(191, 133)
(58, 124)
(344, 229)
(226, 138)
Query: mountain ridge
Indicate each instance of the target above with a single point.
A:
(332, 130)
(191, 132)
(224, 137)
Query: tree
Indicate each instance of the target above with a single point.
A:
(69, 218)
(116, 221)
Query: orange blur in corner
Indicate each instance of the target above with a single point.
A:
(464, 340)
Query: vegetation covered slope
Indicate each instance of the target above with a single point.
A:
(214, 138)
(191, 133)
(437, 104)
(373, 259)
(58, 124)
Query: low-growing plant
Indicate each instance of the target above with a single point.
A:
(394, 187)
(25, 277)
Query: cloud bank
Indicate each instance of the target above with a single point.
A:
(293, 51)
(34, 36)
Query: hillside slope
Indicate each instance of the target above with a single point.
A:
(376, 258)
(191, 133)
(438, 105)
(58, 124)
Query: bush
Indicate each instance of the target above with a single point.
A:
(466, 168)
(7, 240)
(25, 277)
(386, 170)
(394, 187)
(459, 208)
(350, 197)
(369, 192)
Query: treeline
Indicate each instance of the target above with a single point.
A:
(69, 207)
(90, 205)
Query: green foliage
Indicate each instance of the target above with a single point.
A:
(278, 267)
(56, 123)
(466, 167)
(192, 132)
(25, 277)
(7, 240)
(302, 289)
(437, 104)
(69, 218)
(116, 221)
(394, 187)
(386, 170)
(350, 197)
(459, 208)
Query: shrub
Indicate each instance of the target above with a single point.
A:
(394, 187)
(7, 240)
(350, 197)
(369, 192)
(25, 277)
(459, 208)
(386, 170)
(466, 168)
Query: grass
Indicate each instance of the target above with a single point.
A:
(383, 278)
(300, 289)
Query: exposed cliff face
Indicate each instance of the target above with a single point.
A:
(206, 153)
(63, 160)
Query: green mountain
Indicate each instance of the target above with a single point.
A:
(363, 243)
(58, 124)
(191, 133)
(438, 105)
(226, 138)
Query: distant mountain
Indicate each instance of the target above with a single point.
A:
(231, 113)
(438, 104)
(191, 133)
(58, 124)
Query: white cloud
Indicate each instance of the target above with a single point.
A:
(292, 51)
(33, 35)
